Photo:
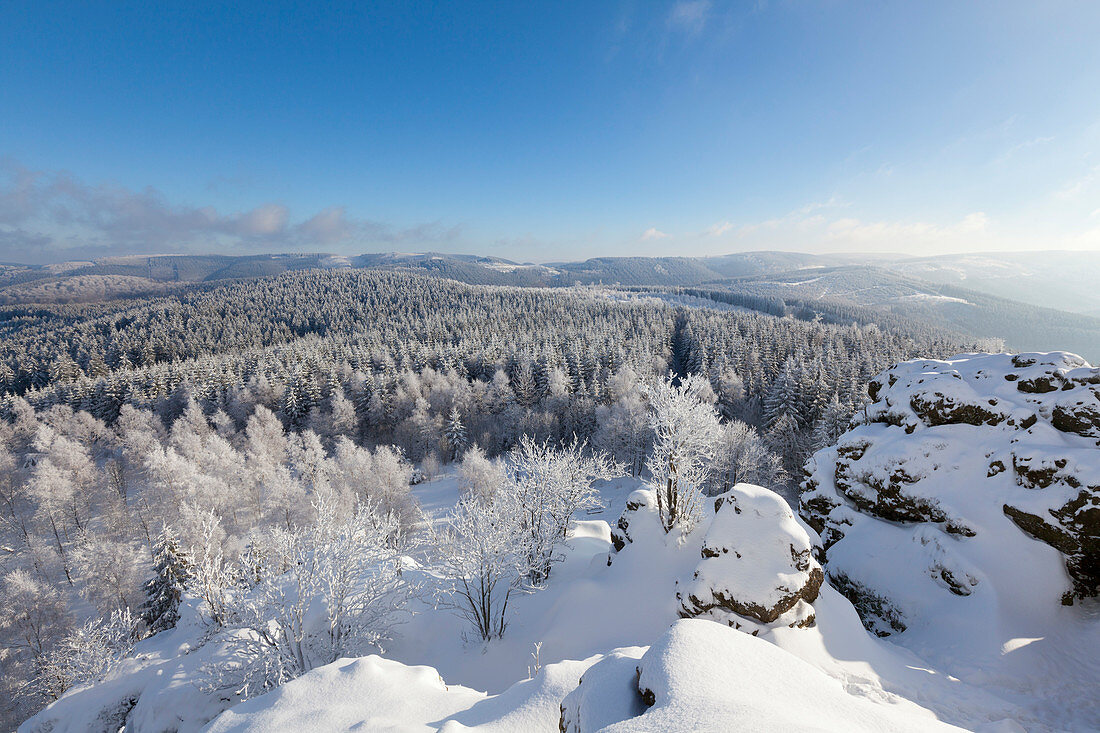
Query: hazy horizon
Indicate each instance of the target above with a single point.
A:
(851, 255)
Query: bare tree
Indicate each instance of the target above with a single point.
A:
(483, 560)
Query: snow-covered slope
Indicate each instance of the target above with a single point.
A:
(615, 654)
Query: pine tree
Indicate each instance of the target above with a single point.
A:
(832, 424)
(292, 406)
(172, 570)
(784, 396)
(455, 434)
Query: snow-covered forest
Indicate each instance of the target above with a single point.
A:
(289, 471)
(144, 440)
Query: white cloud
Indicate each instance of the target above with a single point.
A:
(905, 233)
(653, 233)
(1072, 190)
(817, 227)
(689, 15)
(264, 220)
(48, 215)
(834, 202)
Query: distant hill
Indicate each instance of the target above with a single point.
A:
(636, 271)
(1023, 326)
(81, 289)
(471, 269)
(1033, 301)
(1057, 279)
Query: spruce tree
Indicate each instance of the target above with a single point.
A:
(172, 570)
(455, 434)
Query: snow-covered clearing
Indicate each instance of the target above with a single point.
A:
(930, 297)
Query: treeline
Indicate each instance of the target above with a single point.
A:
(403, 349)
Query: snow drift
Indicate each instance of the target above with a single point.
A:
(745, 684)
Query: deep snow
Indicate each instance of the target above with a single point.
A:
(999, 664)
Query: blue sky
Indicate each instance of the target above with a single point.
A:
(550, 130)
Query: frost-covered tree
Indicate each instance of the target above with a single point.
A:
(342, 410)
(312, 595)
(623, 429)
(431, 466)
(35, 618)
(741, 456)
(549, 484)
(686, 433)
(388, 487)
(482, 561)
(454, 433)
(785, 439)
(110, 571)
(171, 574)
(87, 653)
(785, 396)
(832, 423)
(213, 576)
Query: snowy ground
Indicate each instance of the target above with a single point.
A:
(603, 623)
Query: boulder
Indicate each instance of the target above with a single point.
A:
(757, 564)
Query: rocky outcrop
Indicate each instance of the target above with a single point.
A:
(1074, 530)
(952, 465)
(881, 488)
(1079, 414)
(877, 613)
(936, 408)
(757, 564)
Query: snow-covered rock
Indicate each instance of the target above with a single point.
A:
(698, 676)
(371, 692)
(607, 693)
(757, 564)
(702, 676)
(962, 510)
(377, 694)
(640, 512)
